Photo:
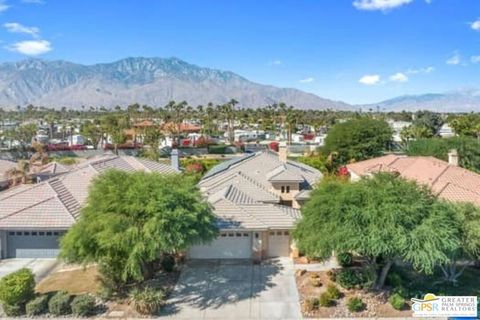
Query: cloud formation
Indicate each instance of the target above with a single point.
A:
(454, 59)
(476, 25)
(31, 47)
(3, 6)
(425, 70)
(16, 27)
(369, 79)
(398, 77)
(475, 59)
(275, 62)
(307, 80)
(34, 1)
(382, 5)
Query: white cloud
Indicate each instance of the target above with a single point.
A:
(369, 79)
(15, 27)
(398, 77)
(34, 1)
(31, 47)
(475, 59)
(3, 6)
(275, 62)
(429, 69)
(383, 5)
(454, 59)
(307, 80)
(476, 25)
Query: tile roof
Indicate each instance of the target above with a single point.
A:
(449, 182)
(5, 166)
(56, 202)
(242, 195)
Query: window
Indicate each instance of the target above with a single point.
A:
(223, 235)
(41, 233)
(230, 234)
(55, 233)
(34, 233)
(26, 233)
(49, 233)
(238, 234)
(283, 189)
(286, 233)
(272, 233)
(245, 234)
(11, 233)
(279, 233)
(288, 189)
(19, 233)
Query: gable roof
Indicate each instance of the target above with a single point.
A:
(240, 191)
(56, 202)
(449, 182)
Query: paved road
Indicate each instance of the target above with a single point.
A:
(40, 267)
(235, 291)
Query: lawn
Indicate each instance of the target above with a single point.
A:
(77, 281)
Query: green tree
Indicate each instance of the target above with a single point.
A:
(467, 125)
(430, 120)
(132, 219)
(383, 218)
(93, 132)
(358, 139)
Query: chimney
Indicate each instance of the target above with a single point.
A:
(174, 159)
(282, 151)
(453, 157)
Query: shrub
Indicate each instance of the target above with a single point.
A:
(397, 301)
(17, 288)
(168, 263)
(333, 292)
(315, 282)
(349, 278)
(37, 306)
(13, 310)
(332, 275)
(345, 259)
(148, 300)
(59, 304)
(311, 304)
(83, 305)
(355, 305)
(325, 300)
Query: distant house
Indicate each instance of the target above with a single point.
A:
(446, 179)
(256, 199)
(34, 217)
(397, 127)
(446, 131)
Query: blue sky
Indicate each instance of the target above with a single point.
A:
(358, 51)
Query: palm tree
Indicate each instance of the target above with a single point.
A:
(20, 173)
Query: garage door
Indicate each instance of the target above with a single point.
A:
(33, 244)
(278, 244)
(230, 245)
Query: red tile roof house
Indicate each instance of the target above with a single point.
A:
(446, 179)
(256, 199)
(34, 216)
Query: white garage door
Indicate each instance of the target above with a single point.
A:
(230, 245)
(33, 244)
(278, 244)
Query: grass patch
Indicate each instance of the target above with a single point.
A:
(79, 281)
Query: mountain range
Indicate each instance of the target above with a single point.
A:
(151, 81)
(156, 81)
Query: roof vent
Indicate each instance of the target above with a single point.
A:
(453, 157)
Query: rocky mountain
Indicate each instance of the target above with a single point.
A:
(152, 81)
(455, 101)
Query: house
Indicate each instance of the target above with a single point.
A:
(5, 167)
(446, 131)
(33, 217)
(446, 179)
(256, 199)
(397, 127)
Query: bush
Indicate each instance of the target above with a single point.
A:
(345, 259)
(332, 275)
(311, 304)
(355, 305)
(17, 288)
(148, 300)
(168, 263)
(83, 305)
(37, 306)
(350, 278)
(397, 301)
(315, 282)
(333, 292)
(13, 310)
(325, 300)
(59, 304)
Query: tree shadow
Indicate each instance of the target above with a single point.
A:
(218, 283)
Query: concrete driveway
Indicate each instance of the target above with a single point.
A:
(222, 290)
(40, 267)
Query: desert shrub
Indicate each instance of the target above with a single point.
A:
(332, 275)
(345, 259)
(13, 310)
(311, 304)
(397, 301)
(148, 300)
(83, 305)
(37, 306)
(325, 300)
(168, 263)
(59, 304)
(333, 292)
(17, 288)
(350, 278)
(355, 305)
(315, 282)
